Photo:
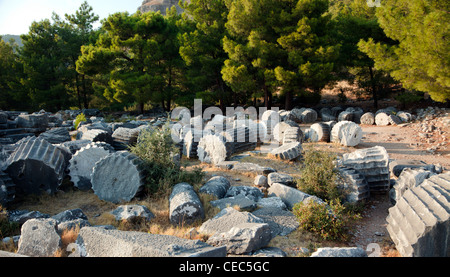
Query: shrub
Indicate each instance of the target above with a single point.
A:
(330, 221)
(80, 118)
(319, 175)
(156, 149)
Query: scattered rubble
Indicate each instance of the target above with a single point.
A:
(95, 157)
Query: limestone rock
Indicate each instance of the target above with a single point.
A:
(243, 238)
(354, 184)
(216, 186)
(346, 133)
(184, 205)
(39, 238)
(117, 177)
(339, 252)
(253, 193)
(382, 119)
(373, 163)
(214, 149)
(292, 134)
(244, 203)
(276, 177)
(36, 166)
(288, 151)
(368, 118)
(226, 219)
(281, 221)
(319, 132)
(56, 135)
(97, 135)
(81, 164)
(289, 195)
(131, 212)
(419, 222)
(100, 242)
(408, 179)
(261, 181)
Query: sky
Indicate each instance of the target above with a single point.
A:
(16, 16)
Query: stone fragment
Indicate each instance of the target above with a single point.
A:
(100, 242)
(397, 166)
(354, 185)
(243, 238)
(226, 219)
(253, 193)
(271, 202)
(214, 149)
(118, 177)
(261, 181)
(346, 133)
(190, 143)
(242, 202)
(404, 116)
(368, 118)
(408, 179)
(56, 135)
(39, 238)
(319, 132)
(252, 167)
(288, 151)
(38, 121)
(394, 120)
(276, 177)
(345, 116)
(216, 186)
(281, 221)
(82, 163)
(184, 205)
(308, 115)
(382, 119)
(292, 134)
(20, 216)
(132, 212)
(97, 135)
(36, 166)
(339, 252)
(419, 223)
(123, 137)
(373, 163)
(289, 195)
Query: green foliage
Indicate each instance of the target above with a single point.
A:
(421, 59)
(80, 118)
(329, 221)
(409, 97)
(319, 175)
(156, 149)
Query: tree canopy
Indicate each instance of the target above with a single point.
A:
(228, 52)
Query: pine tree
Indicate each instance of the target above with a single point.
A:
(311, 52)
(126, 60)
(201, 48)
(421, 59)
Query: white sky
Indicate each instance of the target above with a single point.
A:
(16, 16)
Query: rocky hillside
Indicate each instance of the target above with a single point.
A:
(159, 5)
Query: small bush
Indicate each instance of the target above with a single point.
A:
(156, 149)
(330, 221)
(319, 175)
(80, 118)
